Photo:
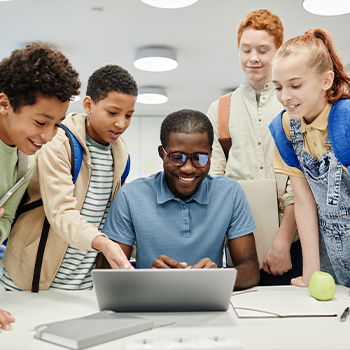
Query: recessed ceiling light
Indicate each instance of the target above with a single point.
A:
(169, 4)
(155, 59)
(327, 7)
(151, 95)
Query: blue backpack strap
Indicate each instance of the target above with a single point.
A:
(339, 131)
(283, 145)
(126, 170)
(76, 160)
(77, 153)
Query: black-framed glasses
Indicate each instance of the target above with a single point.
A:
(199, 160)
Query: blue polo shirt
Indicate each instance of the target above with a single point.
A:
(146, 211)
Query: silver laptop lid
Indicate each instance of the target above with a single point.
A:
(160, 290)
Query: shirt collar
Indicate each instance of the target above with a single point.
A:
(321, 121)
(268, 88)
(164, 194)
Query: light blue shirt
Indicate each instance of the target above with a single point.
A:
(146, 210)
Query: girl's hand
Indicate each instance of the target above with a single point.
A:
(299, 281)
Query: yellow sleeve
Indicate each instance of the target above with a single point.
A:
(279, 165)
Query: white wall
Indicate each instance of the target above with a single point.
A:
(143, 140)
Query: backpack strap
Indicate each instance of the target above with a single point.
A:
(223, 118)
(283, 145)
(22, 164)
(76, 160)
(77, 153)
(126, 170)
(339, 131)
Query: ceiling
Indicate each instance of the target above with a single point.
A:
(96, 33)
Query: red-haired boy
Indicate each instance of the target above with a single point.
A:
(252, 107)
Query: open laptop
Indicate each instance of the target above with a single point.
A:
(160, 290)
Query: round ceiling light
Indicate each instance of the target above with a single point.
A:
(327, 7)
(169, 4)
(151, 95)
(155, 59)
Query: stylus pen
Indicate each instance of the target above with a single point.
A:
(344, 315)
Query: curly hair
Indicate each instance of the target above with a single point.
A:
(186, 121)
(262, 20)
(110, 78)
(318, 47)
(35, 71)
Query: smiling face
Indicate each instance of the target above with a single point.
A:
(32, 125)
(183, 181)
(300, 89)
(256, 51)
(109, 117)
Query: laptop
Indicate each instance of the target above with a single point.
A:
(164, 290)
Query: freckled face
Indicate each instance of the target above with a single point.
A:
(183, 181)
(256, 52)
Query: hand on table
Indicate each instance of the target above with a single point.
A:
(299, 281)
(205, 263)
(164, 262)
(112, 252)
(5, 319)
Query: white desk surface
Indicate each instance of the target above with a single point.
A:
(31, 310)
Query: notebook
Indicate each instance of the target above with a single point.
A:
(262, 199)
(82, 332)
(164, 290)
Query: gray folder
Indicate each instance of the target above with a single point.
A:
(82, 332)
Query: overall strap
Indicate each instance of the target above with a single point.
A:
(284, 146)
(223, 118)
(22, 164)
(76, 160)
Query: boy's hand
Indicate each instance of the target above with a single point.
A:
(2, 210)
(5, 319)
(164, 262)
(277, 261)
(112, 252)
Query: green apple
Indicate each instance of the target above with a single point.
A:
(322, 286)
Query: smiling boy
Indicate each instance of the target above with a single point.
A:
(251, 109)
(36, 84)
(176, 216)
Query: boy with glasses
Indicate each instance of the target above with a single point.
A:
(176, 216)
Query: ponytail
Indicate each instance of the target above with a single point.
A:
(317, 44)
(341, 83)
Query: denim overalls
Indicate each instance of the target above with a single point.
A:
(330, 185)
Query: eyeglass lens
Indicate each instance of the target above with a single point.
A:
(198, 160)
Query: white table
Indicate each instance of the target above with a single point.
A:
(31, 310)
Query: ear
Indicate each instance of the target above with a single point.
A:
(161, 152)
(87, 104)
(328, 81)
(4, 104)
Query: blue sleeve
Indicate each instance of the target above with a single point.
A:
(242, 221)
(118, 226)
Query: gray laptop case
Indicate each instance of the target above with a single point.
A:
(151, 290)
